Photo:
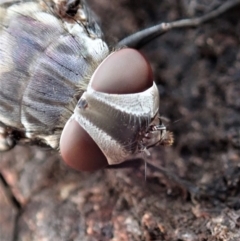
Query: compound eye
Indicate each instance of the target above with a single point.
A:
(123, 72)
(79, 150)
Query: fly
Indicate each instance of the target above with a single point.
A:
(53, 60)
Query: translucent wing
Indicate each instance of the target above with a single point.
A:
(46, 54)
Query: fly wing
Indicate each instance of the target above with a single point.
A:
(93, 22)
(45, 55)
(7, 1)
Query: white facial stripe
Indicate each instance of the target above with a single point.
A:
(114, 152)
(143, 103)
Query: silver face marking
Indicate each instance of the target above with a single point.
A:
(115, 126)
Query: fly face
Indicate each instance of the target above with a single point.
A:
(49, 52)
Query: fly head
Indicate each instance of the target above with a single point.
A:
(117, 115)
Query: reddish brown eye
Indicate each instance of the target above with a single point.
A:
(79, 150)
(123, 72)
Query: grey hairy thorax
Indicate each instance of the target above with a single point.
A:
(46, 58)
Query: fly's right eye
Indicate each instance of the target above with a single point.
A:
(123, 72)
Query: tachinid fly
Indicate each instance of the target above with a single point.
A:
(58, 75)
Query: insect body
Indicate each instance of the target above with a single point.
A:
(46, 62)
(43, 60)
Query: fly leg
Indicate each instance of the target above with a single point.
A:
(7, 138)
(10, 137)
(141, 38)
(67, 9)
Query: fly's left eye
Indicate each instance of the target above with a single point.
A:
(79, 150)
(121, 74)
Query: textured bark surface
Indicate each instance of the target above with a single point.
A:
(197, 72)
